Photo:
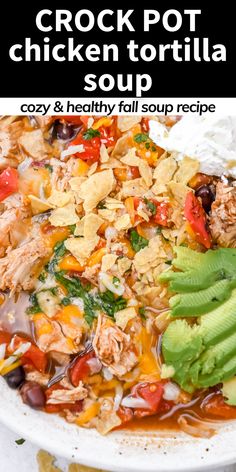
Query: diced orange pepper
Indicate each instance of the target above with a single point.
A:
(68, 312)
(103, 228)
(199, 179)
(70, 263)
(129, 204)
(80, 168)
(87, 415)
(130, 252)
(96, 257)
(102, 122)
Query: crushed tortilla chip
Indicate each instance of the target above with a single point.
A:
(82, 468)
(81, 248)
(64, 216)
(132, 160)
(60, 199)
(96, 188)
(149, 256)
(108, 261)
(113, 203)
(123, 222)
(122, 317)
(108, 422)
(188, 168)
(104, 156)
(179, 191)
(38, 205)
(92, 223)
(109, 215)
(134, 188)
(125, 123)
(46, 462)
(34, 144)
(124, 264)
(92, 169)
(165, 170)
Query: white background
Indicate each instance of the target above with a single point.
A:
(14, 458)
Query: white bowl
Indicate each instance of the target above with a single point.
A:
(121, 451)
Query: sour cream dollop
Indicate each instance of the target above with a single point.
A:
(210, 139)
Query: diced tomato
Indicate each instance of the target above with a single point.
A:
(125, 414)
(8, 183)
(33, 356)
(106, 136)
(161, 216)
(5, 337)
(196, 217)
(81, 368)
(91, 151)
(145, 124)
(216, 406)
(75, 120)
(152, 393)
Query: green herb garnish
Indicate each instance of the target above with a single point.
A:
(141, 138)
(72, 228)
(91, 133)
(49, 167)
(109, 303)
(59, 252)
(20, 441)
(34, 307)
(151, 206)
(142, 312)
(137, 241)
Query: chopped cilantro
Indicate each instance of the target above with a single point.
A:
(42, 277)
(66, 301)
(48, 167)
(91, 133)
(147, 145)
(20, 441)
(151, 206)
(154, 149)
(137, 241)
(142, 312)
(109, 303)
(116, 281)
(101, 205)
(141, 138)
(59, 252)
(34, 307)
(72, 228)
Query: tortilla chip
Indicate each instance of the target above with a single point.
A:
(81, 248)
(46, 462)
(92, 223)
(165, 170)
(150, 256)
(38, 205)
(104, 156)
(124, 264)
(132, 160)
(64, 216)
(134, 188)
(123, 222)
(109, 215)
(179, 191)
(122, 317)
(96, 188)
(125, 123)
(188, 168)
(108, 261)
(60, 199)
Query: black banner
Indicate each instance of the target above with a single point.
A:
(182, 54)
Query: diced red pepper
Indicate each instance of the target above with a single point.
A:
(196, 217)
(216, 406)
(8, 183)
(81, 368)
(152, 393)
(34, 356)
(106, 135)
(74, 119)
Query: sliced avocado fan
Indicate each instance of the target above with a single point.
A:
(202, 354)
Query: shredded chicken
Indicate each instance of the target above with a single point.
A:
(113, 347)
(9, 149)
(223, 216)
(15, 212)
(18, 269)
(44, 121)
(36, 376)
(50, 337)
(68, 396)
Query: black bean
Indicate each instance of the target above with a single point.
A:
(15, 378)
(207, 197)
(33, 395)
(65, 131)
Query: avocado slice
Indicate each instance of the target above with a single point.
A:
(229, 391)
(200, 270)
(219, 323)
(204, 301)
